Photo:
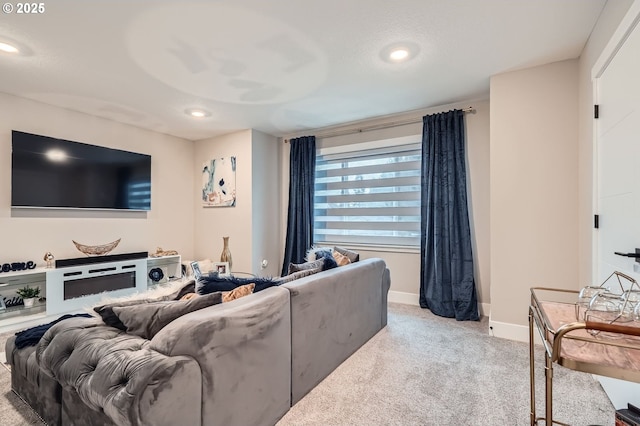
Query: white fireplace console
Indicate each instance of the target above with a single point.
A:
(73, 288)
(76, 287)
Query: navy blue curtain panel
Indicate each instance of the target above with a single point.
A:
(302, 169)
(447, 285)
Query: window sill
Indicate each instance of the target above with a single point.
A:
(370, 247)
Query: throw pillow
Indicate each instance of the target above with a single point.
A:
(329, 261)
(147, 320)
(214, 282)
(206, 266)
(294, 276)
(110, 318)
(312, 253)
(353, 256)
(238, 292)
(176, 291)
(341, 259)
(190, 287)
(317, 265)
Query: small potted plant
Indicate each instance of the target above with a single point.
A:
(29, 295)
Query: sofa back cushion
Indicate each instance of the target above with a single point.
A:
(353, 256)
(314, 265)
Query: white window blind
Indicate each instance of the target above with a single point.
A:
(369, 197)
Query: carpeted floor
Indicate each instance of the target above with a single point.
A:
(422, 370)
(426, 370)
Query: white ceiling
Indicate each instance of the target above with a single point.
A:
(278, 66)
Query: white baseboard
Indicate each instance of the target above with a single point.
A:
(510, 331)
(485, 309)
(404, 298)
(414, 299)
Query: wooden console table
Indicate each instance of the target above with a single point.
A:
(613, 352)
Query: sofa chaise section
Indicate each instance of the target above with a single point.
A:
(333, 314)
(227, 364)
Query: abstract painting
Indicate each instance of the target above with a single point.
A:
(219, 182)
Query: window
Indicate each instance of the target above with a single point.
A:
(368, 196)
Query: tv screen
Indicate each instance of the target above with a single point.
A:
(55, 173)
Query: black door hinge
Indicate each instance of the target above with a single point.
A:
(596, 111)
(596, 221)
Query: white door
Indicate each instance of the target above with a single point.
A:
(618, 161)
(617, 144)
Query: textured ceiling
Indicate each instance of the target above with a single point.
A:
(278, 66)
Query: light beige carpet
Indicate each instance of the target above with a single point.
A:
(426, 370)
(422, 370)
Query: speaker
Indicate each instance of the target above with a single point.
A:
(158, 275)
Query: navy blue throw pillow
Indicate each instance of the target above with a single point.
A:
(329, 261)
(212, 282)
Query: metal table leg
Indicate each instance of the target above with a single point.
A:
(548, 389)
(532, 373)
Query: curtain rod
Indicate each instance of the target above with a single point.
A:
(391, 124)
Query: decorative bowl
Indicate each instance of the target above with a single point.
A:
(96, 250)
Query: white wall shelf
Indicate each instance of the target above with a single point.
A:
(50, 281)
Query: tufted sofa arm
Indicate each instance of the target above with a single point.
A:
(243, 348)
(118, 374)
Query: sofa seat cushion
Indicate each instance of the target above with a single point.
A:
(109, 369)
(74, 347)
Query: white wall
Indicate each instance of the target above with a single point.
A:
(534, 186)
(266, 202)
(213, 223)
(28, 234)
(542, 179)
(405, 265)
(250, 224)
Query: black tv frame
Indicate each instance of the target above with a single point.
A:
(101, 176)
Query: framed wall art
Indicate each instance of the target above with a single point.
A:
(219, 182)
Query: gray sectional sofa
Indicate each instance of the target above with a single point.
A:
(244, 362)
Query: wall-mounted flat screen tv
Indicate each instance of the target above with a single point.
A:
(55, 173)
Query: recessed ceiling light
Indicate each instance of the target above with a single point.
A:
(399, 54)
(8, 48)
(198, 113)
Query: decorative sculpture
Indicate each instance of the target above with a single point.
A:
(48, 257)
